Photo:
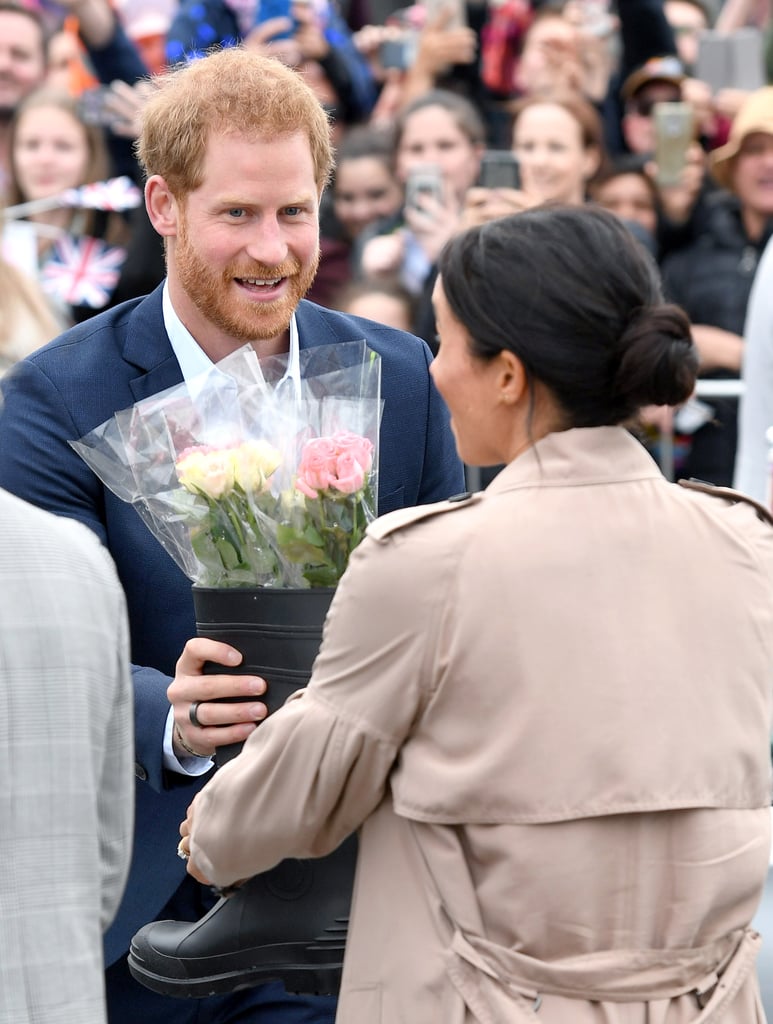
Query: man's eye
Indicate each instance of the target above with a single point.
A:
(293, 211)
(236, 211)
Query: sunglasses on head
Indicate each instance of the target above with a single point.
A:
(643, 105)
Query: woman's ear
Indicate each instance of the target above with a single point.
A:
(162, 206)
(512, 381)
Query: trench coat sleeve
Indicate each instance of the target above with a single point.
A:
(310, 775)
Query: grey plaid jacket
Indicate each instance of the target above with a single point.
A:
(66, 765)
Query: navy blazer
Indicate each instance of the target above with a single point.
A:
(80, 380)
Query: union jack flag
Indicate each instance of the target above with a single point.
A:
(113, 194)
(82, 271)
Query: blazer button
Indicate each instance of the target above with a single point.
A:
(140, 772)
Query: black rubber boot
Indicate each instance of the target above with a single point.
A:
(288, 924)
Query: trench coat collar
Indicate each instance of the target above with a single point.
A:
(582, 455)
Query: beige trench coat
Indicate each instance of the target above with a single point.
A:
(548, 708)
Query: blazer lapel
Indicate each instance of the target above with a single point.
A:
(313, 329)
(147, 347)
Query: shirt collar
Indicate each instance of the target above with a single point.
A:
(191, 356)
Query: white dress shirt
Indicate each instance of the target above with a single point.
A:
(193, 362)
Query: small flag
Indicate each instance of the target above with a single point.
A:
(82, 271)
(113, 194)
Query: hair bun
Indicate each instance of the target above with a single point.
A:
(658, 359)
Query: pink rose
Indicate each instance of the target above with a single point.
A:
(357, 446)
(316, 468)
(350, 474)
(342, 462)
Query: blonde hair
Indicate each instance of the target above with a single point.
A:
(98, 166)
(230, 90)
(26, 319)
(99, 160)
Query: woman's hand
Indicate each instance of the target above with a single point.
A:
(184, 848)
(677, 201)
(433, 221)
(125, 104)
(383, 255)
(484, 204)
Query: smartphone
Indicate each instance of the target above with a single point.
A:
(267, 9)
(712, 64)
(596, 19)
(398, 53)
(733, 61)
(674, 132)
(92, 106)
(423, 180)
(499, 169)
(458, 9)
(748, 59)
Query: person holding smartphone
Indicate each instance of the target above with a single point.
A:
(438, 145)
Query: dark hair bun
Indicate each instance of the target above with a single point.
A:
(658, 360)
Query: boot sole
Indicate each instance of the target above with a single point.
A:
(307, 979)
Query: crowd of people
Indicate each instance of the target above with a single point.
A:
(182, 178)
(570, 89)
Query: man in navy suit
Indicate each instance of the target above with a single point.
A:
(237, 151)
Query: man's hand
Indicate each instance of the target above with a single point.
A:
(219, 724)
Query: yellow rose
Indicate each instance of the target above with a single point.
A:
(253, 464)
(207, 471)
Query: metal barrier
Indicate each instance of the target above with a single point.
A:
(704, 388)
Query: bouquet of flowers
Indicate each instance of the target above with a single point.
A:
(256, 473)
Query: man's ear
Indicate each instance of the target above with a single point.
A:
(163, 209)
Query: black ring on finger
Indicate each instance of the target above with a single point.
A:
(193, 714)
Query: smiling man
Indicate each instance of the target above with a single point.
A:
(237, 152)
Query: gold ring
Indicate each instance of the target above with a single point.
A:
(183, 850)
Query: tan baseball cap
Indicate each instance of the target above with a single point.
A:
(754, 115)
(656, 69)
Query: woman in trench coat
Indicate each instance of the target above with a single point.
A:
(546, 706)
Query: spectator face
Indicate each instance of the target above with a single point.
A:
(550, 59)
(62, 55)
(432, 136)
(630, 198)
(365, 191)
(554, 163)
(687, 22)
(752, 174)
(638, 123)
(383, 308)
(50, 153)
(22, 59)
(244, 246)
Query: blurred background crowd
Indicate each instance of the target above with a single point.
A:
(446, 113)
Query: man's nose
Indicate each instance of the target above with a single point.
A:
(267, 244)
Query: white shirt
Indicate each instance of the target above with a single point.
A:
(193, 362)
